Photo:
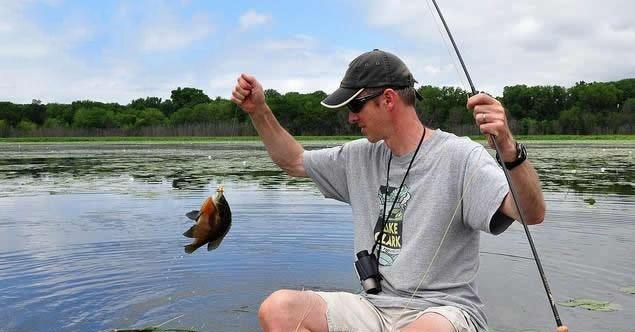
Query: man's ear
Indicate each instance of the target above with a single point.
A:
(390, 98)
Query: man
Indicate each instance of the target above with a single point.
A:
(419, 199)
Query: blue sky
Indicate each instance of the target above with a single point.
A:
(116, 51)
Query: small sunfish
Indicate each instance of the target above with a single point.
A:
(212, 223)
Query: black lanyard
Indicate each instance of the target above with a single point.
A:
(384, 217)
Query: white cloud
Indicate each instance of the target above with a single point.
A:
(297, 42)
(165, 33)
(251, 19)
(503, 43)
(537, 42)
(299, 64)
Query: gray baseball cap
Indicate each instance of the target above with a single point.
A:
(374, 69)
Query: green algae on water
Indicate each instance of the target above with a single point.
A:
(590, 304)
(628, 289)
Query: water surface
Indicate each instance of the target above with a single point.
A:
(90, 238)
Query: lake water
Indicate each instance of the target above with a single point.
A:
(90, 238)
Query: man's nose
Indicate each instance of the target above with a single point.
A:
(352, 117)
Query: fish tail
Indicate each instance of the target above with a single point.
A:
(190, 248)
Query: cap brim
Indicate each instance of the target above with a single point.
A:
(340, 97)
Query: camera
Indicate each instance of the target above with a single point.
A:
(368, 272)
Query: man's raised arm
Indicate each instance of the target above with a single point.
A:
(283, 149)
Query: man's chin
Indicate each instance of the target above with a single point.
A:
(369, 138)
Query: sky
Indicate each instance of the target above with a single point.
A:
(116, 51)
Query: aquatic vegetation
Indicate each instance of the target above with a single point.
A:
(591, 304)
(628, 289)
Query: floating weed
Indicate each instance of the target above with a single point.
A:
(589, 201)
(589, 304)
(628, 289)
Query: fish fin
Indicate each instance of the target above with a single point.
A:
(190, 248)
(190, 232)
(214, 244)
(193, 215)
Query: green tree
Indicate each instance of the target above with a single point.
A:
(186, 97)
(94, 117)
(596, 97)
(63, 113)
(53, 123)
(150, 117)
(11, 113)
(26, 126)
(126, 118)
(147, 102)
(4, 128)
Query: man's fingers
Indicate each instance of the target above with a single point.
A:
(481, 99)
(236, 100)
(244, 84)
(247, 79)
(489, 128)
(242, 90)
(488, 118)
(238, 96)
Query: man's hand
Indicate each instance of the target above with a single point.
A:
(248, 94)
(491, 119)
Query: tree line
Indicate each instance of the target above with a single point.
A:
(585, 108)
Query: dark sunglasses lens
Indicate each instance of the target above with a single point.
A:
(355, 105)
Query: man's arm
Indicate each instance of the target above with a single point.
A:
(530, 198)
(283, 149)
(490, 116)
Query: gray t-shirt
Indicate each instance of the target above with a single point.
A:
(446, 168)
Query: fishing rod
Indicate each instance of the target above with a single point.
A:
(560, 326)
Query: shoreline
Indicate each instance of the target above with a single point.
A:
(225, 139)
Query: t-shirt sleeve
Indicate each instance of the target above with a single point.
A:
(328, 169)
(484, 187)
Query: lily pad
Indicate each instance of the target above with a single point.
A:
(591, 304)
(628, 290)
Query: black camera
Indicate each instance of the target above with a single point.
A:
(368, 272)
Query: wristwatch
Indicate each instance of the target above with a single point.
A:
(521, 156)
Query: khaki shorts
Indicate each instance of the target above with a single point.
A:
(353, 313)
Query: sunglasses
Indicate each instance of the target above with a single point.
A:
(357, 104)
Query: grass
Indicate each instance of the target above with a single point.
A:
(204, 139)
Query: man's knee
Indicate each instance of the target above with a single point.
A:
(275, 306)
(285, 309)
(430, 322)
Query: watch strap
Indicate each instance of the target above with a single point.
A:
(521, 156)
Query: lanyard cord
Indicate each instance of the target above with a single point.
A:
(384, 217)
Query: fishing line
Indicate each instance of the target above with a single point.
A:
(447, 48)
(509, 182)
(447, 229)
(234, 122)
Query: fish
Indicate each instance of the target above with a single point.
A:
(213, 222)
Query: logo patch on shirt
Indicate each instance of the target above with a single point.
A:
(391, 239)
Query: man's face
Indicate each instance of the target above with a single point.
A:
(371, 118)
